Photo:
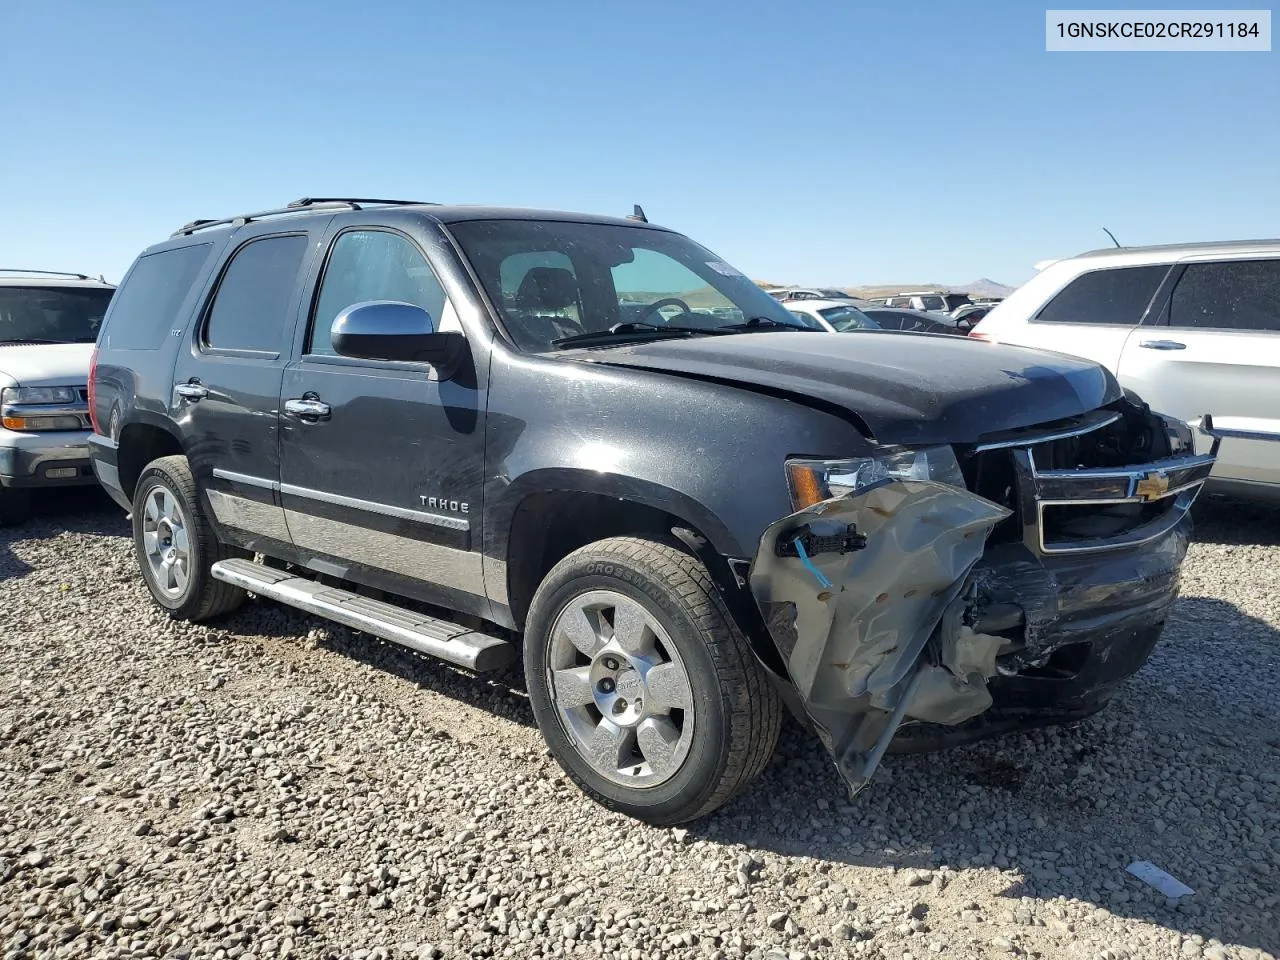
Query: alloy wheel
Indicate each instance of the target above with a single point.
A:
(166, 544)
(620, 689)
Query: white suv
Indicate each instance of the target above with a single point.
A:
(48, 325)
(1191, 328)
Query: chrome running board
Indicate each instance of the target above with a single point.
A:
(437, 638)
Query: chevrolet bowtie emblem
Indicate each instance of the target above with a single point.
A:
(1152, 486)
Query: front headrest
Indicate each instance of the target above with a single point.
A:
(547, 288)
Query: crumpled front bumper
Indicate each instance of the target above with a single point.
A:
(861, 629)
(895, 610)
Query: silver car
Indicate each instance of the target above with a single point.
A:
(1189, 327)
(48, 325)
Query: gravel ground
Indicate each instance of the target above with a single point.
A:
(275, 786)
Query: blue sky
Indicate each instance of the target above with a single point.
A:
(813, 142)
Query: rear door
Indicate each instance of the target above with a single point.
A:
(1217, 350)
(1092, 316)
(226, 382)
(384, 486)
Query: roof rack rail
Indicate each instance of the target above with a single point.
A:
(304, 205)
(358, 202)
(47, 273)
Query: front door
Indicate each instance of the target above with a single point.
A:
(382, 461)
(1218, 353)
(226, 383)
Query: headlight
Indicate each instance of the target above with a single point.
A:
(39, 395)
(16, 411)
(812, 481)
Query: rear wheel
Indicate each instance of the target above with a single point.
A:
(645, 689)
(175, 545)
(15, 505)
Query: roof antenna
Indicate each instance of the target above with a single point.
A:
(1111, 235)
(638, 214)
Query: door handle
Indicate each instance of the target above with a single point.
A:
(194, 390)
(309, 409)
(1162, 345)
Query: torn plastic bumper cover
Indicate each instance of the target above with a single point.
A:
(864, 597)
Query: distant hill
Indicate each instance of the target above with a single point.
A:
(987, 288)
(978, 288)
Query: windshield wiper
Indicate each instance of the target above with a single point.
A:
(636, 330)
(767, 323)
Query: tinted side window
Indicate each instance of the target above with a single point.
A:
(1117, 296)
(372, 265)
(250, 308)
(145, 308)
(1237, 295)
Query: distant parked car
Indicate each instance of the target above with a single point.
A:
(1190, 327)
(968, 316)
(786, 294)
(48, 324)
(926, 301)
(834, 316)
(894, 318)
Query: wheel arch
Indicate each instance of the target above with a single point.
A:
(547, 523)
(140, 443)
(548, 514)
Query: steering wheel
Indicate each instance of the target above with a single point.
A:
(664, 302)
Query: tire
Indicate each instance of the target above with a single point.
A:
(675, 764)
(15, 505)
(189, 591)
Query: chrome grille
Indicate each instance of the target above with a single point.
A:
(1084, 485)
(1107, 509)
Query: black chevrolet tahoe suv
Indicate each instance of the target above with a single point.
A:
(489, 433)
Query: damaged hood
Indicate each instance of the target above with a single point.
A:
(907, 388)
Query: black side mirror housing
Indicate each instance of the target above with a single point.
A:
(391, 330)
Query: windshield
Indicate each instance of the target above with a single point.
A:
(844, 319)
(52, 314)
(553, 280)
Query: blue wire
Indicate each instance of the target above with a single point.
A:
(804, 558)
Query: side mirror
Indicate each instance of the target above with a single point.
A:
(391, 330)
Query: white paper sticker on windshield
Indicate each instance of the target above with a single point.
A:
(724, 269)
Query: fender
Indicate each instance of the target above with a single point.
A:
(500, 509)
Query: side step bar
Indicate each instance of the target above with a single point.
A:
(437, 638)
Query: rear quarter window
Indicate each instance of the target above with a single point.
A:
(145, 308)
(1231, 295)
(1116, 296)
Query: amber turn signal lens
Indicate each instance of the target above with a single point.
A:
(14, 423)
(806, 485)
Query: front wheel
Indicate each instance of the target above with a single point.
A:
(175, 545)
(644, 688)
